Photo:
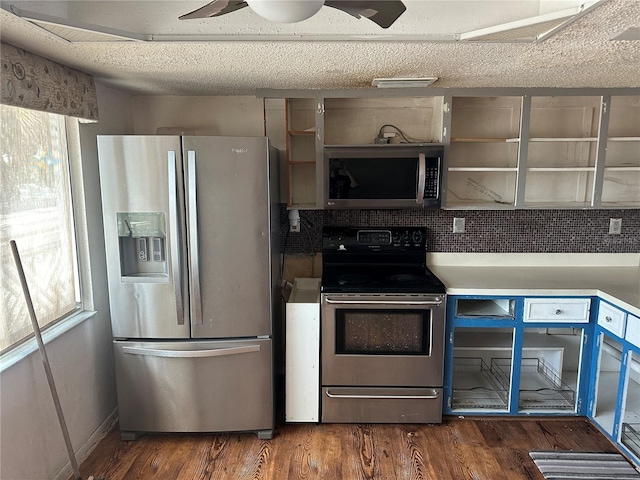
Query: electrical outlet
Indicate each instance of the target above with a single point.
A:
(458, 225)
(294, 228)
(615, 226)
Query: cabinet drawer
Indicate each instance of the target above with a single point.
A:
(633, 330)
(611, 318)
(560, 310)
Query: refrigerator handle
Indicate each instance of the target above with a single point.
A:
(214, 352)
(175, 251)
(194, 255)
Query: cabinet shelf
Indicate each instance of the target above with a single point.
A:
(482, 169)
(564, 139)
(623, 139)
(302, 133)
(484, 140)
(623, 168)
(560, 169)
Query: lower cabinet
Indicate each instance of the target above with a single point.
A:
(614, 400)
(503, 360)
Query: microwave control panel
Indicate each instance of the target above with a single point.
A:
(432, 180)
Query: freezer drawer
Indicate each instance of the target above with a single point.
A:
(381, 405)
(195, 386)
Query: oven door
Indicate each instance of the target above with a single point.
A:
(382, 340)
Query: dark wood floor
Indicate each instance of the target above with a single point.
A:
(477, 449)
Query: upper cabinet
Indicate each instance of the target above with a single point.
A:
(482, 165)
(569, 151)
(621, 178)
(301, 152)
(525, 149)
(561, 151)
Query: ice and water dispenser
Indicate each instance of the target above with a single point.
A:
(142, 238)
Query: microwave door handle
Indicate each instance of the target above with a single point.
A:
(422, 173)
(176, 261)
(194, 255)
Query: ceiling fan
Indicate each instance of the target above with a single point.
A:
(382, 12)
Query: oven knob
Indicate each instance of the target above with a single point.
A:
(416, 236)
(397, 237)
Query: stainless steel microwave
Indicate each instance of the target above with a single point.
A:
(383, 176)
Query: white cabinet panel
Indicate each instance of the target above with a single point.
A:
(562, 310)
(302, 356)
(611, 319)
(633, 330)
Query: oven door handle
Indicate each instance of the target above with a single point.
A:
(433, 396)
(384, 302)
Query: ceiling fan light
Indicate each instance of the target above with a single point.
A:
(286, 11)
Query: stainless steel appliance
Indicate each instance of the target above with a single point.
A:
(191, 230)
(383, 176)
(382, 327)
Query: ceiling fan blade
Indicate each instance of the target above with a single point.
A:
(215, 8)
(382, 12)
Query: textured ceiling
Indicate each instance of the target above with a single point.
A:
(580, 55)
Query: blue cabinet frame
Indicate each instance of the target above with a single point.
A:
(627, 349)
(514, 321)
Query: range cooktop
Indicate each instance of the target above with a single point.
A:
(376, 260)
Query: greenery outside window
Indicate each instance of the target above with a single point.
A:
(36, 211)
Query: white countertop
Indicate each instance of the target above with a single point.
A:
(613, 277)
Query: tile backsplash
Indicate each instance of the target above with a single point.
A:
(497, 231)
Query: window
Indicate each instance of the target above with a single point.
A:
(35, 211)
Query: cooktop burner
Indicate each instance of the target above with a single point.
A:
(405, 279)
(376, 260)
(352, 279)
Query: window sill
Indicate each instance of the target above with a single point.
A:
(21, 352)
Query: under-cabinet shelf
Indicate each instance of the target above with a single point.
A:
(541, 387)
(477, 385)
(491, 308)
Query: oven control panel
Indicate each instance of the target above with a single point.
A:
(385, 238)
(374, 237)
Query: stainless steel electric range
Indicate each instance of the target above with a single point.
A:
(382, 327)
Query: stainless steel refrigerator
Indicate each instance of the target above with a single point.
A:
(191, 230)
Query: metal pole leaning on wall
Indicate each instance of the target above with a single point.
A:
(45, 361)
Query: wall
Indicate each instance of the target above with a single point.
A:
(81, 359)
(500, 231)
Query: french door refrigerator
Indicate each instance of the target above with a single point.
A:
(191, 229)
